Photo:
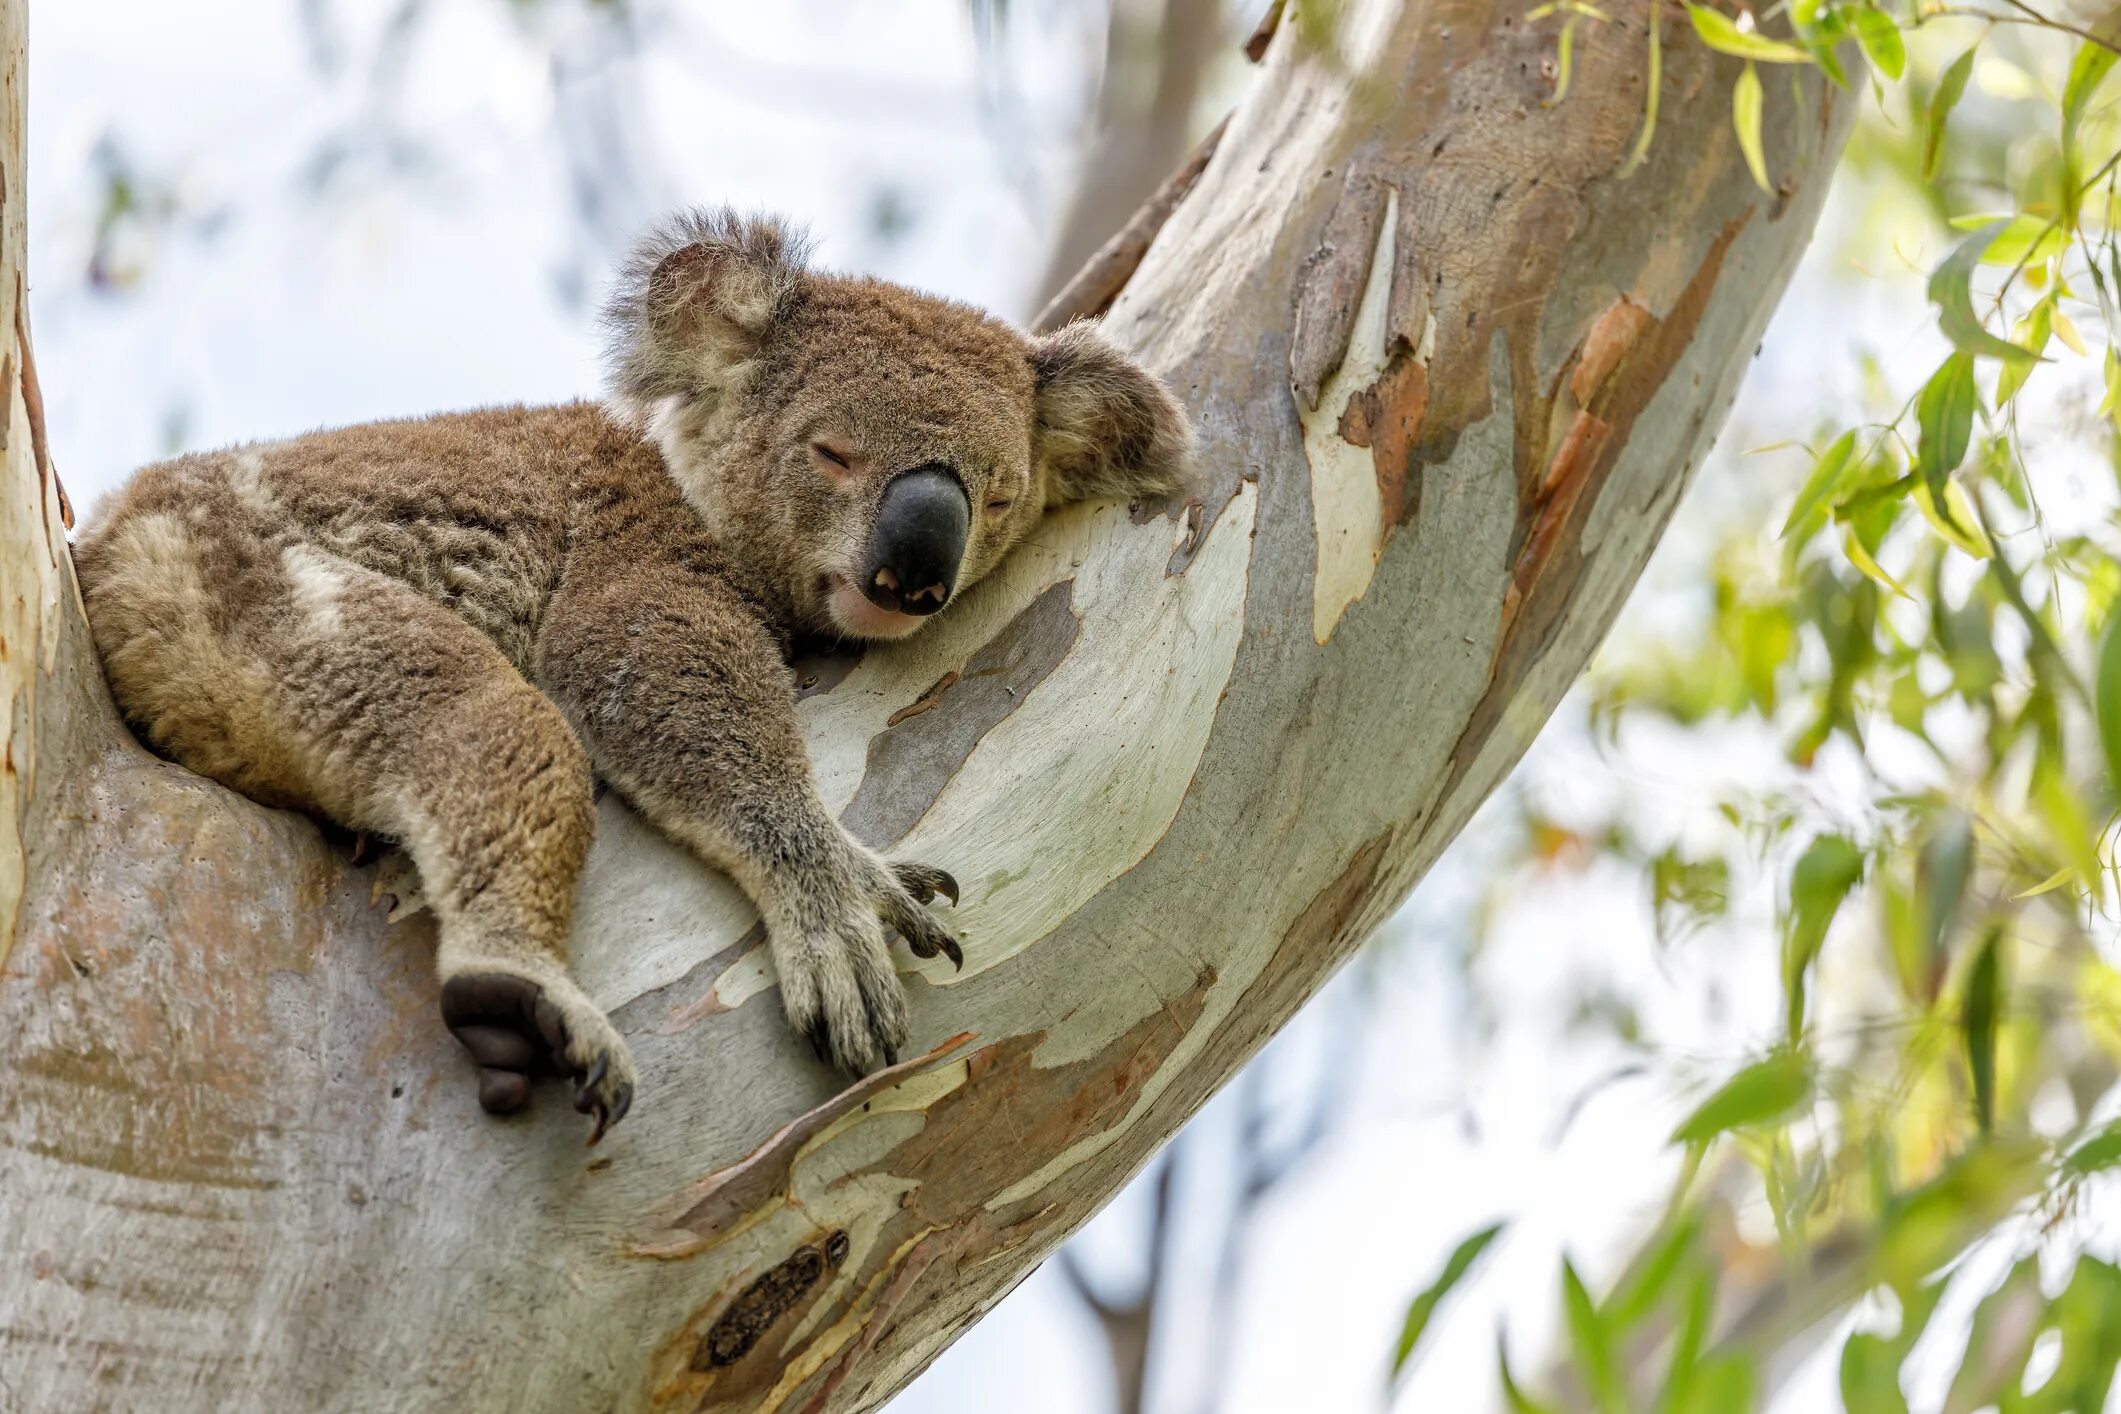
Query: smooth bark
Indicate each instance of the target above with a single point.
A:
(1451, 370)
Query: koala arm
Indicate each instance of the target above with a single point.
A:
(683, 699)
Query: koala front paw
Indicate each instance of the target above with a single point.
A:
(838, 986)
(517, 1027)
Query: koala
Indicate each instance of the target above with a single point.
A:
(441, 631)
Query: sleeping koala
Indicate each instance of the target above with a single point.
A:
(436, 630)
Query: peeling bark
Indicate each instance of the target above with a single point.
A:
(240, 1167)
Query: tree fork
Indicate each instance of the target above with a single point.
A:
(1450, 369)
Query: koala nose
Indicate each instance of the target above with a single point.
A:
(911, 562)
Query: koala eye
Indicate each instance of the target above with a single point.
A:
(826, 452)
(997, 507)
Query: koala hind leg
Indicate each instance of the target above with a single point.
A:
(302, 679)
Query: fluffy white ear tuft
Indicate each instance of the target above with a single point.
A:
(700, 292)
(1106, 427)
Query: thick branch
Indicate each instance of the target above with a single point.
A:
(1183, 764)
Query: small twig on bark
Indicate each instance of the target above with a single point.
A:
(1100, 281)
(1256, 46)
(33, 404)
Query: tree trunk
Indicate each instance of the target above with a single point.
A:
(1182, 763)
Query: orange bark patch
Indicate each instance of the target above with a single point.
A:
(1626, 356)
(1386, 418)
(1616, 331)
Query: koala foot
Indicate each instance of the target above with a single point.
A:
(838, 986)
(516, 1029)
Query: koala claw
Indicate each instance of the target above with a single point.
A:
(925, 881)
(515, 1031)
(920, 883)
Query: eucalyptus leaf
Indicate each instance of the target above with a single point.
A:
(1745, 117)
(1944, 415)
(1424, 1305)
(1829, 867)
(1719, 32)
(1829, 474)
(1881, 42)
(2106, 700)
(1590, 1344)
(1951, 289)
(1977, 1022)
(1951, 85)
(1765, 1091)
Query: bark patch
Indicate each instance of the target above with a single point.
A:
(721, 1202)
(1386, 418)
(928, 741)
(765, 1301)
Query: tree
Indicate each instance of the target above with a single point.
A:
(1182, 762)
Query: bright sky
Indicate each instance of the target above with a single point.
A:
(267, 307)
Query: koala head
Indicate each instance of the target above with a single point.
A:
(862, 449)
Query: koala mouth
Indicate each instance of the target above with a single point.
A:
(854, 615)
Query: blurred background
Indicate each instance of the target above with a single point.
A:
(1800, 762)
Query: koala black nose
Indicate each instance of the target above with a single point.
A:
(911, 562)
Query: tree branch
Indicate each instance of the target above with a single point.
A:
(1101, 279)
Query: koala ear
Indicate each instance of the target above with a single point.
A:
(1105, 425)
(700, 292)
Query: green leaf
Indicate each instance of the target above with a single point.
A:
(2063, 814)
(1942, 869)
(1722, 1384)
(2031, 335)
(1956, 522)
(2024, 237)
(1951, 289)
(1513, 1396)
(2086, 72)
(1950, 86)
(2106, 697)
(1424, 1305)
(1695, 1318)
(1880, 38)
(1944, 415)
(1764, 1091)
(1641, 149)
(1933, 1224)
(2087, 1315)
(1870, 1364)
(1827, 870)
(1718, 32)
(1827, 478)
(1977, 1020)
(2101, 1151)
(1590, 1344)
(1872, 570)
(1649, 1278)
(1745, 117)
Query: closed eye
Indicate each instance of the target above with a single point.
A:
(827, 452)
(997, 507)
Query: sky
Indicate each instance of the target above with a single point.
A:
(325, 248)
